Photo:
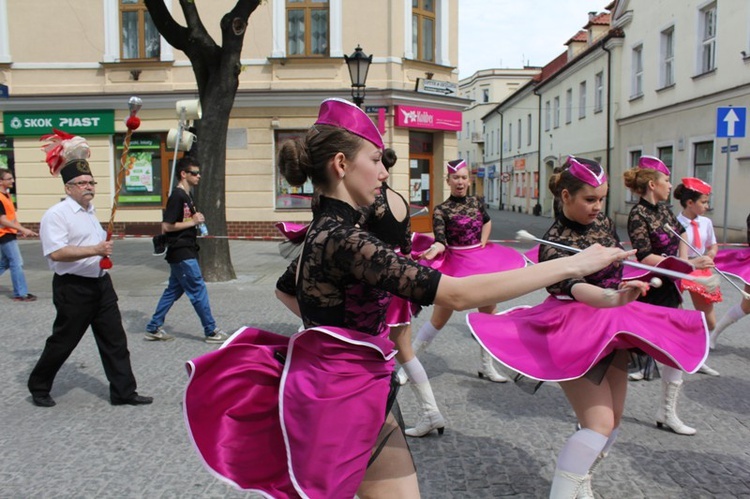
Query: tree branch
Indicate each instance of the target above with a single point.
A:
(172, 32)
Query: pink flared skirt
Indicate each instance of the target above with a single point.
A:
(461, 261)
(735, 262)
(561, 340)
(290, 417)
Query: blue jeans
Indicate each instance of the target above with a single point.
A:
(184, 277)
(10, 258)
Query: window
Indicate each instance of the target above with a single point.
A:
(708, 38)
(703, 162)
(528, 129)
(519, 133)
(510, 137)
(581, 100)
(637, 85)
(287, 196)
(667, 57)
(557, 112)
(569, 105)
(307, 27)
(599, 92)
(633, 157)
(485, 95)
(665, 154)
(147, 183)
(546, 116)
(139, 38)
(423, 29)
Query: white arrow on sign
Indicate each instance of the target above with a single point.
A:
(730, 119)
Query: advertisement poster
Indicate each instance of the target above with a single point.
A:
(141, 177)
(415, 190)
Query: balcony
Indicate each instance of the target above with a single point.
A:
(477, 138)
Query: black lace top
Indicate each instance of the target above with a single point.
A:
(570, 233)
(648, 235)
(382, 223)
(346, 274)
(647, 232)
(459, 221)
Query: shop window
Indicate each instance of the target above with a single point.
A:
(289, 197)
(423, 22)
(139, 38)
(307, 27)
(147, 182)
(8, 162)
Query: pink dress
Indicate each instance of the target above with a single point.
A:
(273, 426)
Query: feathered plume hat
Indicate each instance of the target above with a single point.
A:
(67, 155)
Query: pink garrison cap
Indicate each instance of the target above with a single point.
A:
(587, 171)
(697, 185)
(343, 114)
(653, 163)
(455, 165)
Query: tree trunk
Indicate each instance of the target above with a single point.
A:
(217, 70)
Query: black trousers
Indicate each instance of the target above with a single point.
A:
(82, 302)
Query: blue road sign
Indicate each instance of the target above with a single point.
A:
(730, 122)
(734, 148)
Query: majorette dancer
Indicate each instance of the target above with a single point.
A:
(580, 335)
(303, 415)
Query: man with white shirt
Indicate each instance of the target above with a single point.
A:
(74, 242)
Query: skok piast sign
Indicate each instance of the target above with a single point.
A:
(84, 123)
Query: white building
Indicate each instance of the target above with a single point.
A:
(681, 60)
(485, 89)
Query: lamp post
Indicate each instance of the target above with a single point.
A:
(358, 64)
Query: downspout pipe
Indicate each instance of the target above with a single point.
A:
(609, 120)
(502, 148)
(538, 207)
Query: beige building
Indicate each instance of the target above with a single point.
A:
(75, 67)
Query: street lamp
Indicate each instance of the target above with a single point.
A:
(358, 64)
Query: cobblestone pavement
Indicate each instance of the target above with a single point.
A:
(499, 442)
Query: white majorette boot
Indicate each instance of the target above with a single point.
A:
(429, 415)
(586, 491)
(666, 415)
(488, 369)
(566, 485)
(418, 347)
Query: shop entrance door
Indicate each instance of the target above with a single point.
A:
(420, 192)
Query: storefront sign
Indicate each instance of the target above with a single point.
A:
(84, 123)
(519, 164)
(425, 117)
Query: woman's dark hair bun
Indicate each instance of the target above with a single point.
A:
(389, 157)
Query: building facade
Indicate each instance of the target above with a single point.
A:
(293, 58)
(681, 62)
(485, 89)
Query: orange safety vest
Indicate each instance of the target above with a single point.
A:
(10, 214)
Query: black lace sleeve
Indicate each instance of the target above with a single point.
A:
(368, 260)
(287, 282)
(438, 225)
(638, 232)
(601, 231)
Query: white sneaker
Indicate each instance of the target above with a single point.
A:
(218, 336)
(159, 335)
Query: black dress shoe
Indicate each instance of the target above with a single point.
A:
(134, 399)
(42, 400)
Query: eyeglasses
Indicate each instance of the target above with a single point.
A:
(83, 183)
(194, 173)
